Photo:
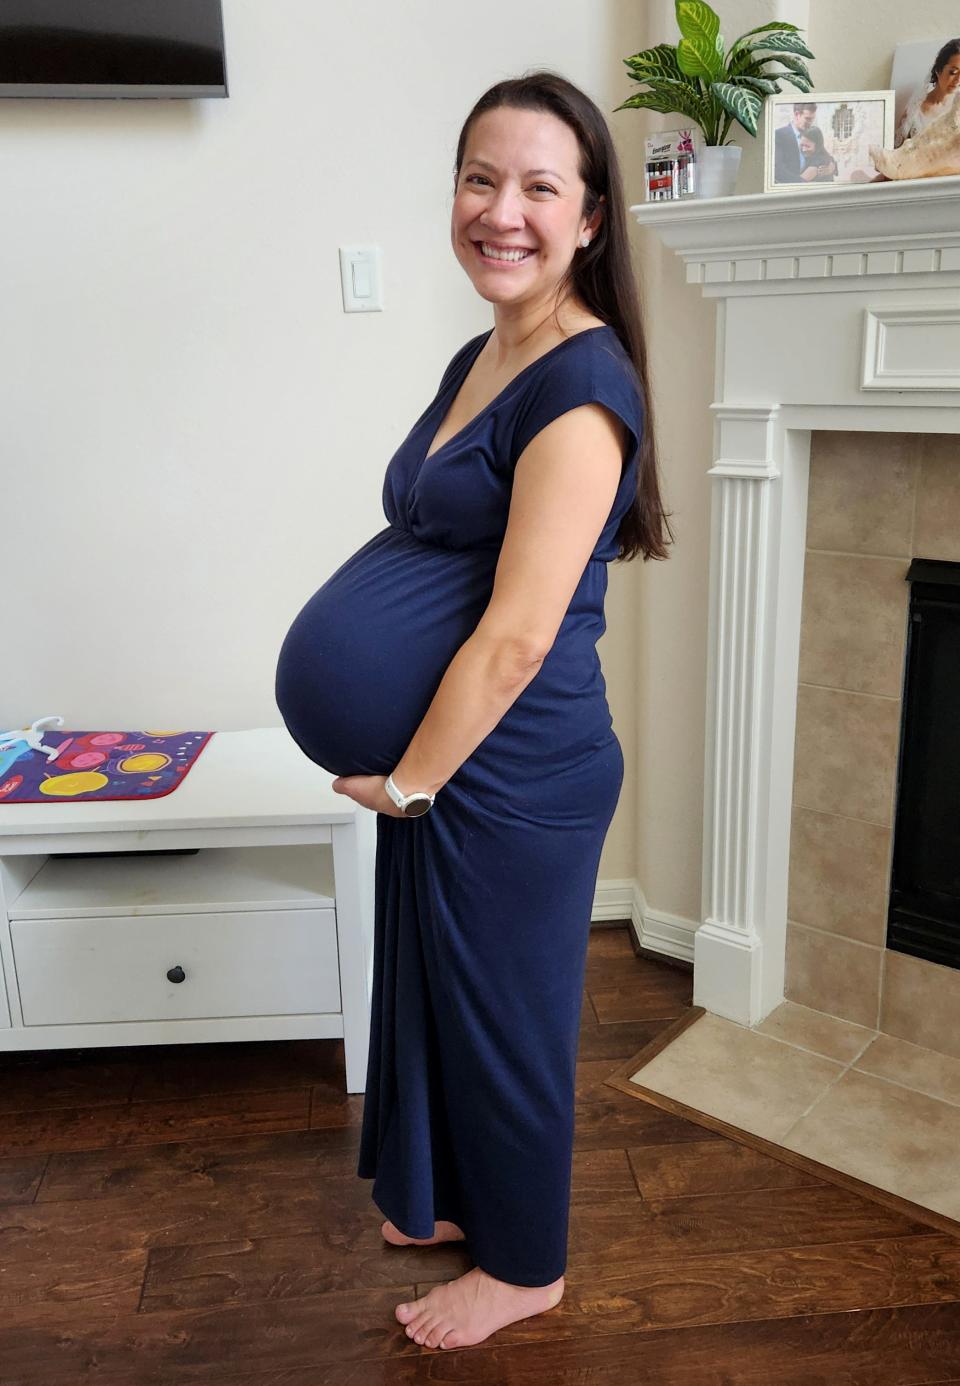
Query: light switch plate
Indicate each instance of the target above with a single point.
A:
(360, 269)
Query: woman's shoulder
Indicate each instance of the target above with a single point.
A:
(589, 367)
(600, 351)
(585, 321)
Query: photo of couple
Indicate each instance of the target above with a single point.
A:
(825, 139)
(800, 152)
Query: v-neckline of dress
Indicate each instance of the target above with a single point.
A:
(428, 456)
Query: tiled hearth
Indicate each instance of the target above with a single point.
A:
(871, 1106)
(874, 502)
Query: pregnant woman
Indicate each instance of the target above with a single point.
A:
(447, 675)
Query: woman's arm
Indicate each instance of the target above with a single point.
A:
(564, 486)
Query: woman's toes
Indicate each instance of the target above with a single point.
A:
(435, 1334)
(449, 1340)
(406, 1312)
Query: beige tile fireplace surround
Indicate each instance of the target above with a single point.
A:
(874, 502)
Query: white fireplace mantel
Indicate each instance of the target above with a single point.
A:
(778, 242)
(838, 308)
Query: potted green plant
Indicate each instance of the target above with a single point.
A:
(713, 86)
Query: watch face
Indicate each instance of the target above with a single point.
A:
(417, 804)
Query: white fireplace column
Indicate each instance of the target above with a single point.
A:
(868, 278)
(727, 945)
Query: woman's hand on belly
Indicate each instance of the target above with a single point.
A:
(369, 791)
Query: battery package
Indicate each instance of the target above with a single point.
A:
(670, 169)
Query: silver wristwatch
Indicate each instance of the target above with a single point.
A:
(412, 805)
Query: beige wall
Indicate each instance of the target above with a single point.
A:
(194, 434)
(854, 43)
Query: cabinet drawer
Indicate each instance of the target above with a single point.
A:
(252, 962)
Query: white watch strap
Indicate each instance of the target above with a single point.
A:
(401, 799)
(394, 792)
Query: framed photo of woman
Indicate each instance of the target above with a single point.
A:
(926, 79)
(823, 138)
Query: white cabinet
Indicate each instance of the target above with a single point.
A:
(74, 971)
(238, 907)
(174, 937)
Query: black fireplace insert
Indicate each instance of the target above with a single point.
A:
(924, 916)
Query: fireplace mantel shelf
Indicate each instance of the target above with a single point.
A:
(822, 238)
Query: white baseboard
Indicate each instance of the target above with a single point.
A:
(613, 900)
(655, 930)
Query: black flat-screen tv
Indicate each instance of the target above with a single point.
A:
(112, 48)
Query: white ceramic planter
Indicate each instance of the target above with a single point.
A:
(717, 167)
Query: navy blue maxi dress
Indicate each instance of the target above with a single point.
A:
(483, 904)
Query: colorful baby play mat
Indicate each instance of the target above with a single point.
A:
(42, 766)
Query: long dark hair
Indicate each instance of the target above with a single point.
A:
(601, 275)
(949, 50)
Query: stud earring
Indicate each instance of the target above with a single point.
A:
(584, 242)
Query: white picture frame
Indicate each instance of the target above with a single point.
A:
(842, 127)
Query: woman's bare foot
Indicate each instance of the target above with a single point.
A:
(469, 1309)
(442, 1232)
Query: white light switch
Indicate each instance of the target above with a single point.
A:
(360, 278)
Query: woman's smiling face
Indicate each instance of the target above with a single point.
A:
(519, 188)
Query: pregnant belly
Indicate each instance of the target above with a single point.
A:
(360, 664)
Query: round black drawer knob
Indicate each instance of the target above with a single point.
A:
(176, 974)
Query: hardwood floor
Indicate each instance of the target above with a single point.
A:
(191, 1214)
